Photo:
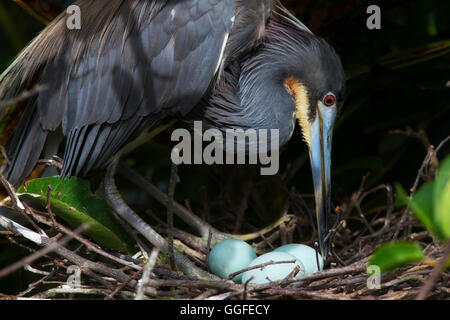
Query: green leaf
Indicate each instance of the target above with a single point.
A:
(72, 201)
(396, 254)
(422, 206)
(402, 198)
(442, 199)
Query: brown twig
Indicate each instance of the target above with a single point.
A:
(48, 207)
(429, 283)
(259, 266)
(52, 246)
(172, 183)
(22, 208)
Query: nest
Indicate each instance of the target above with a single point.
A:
(100, 274)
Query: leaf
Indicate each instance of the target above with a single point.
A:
(442, 199)
(402, 197)
(396, 254)
(422, 206)
(72, 201)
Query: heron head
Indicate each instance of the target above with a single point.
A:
(317, 86)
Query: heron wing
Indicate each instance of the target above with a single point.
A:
(131, 63)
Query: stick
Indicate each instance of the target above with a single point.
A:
(38, 254)
(173, 181)
(429, 283)
(146, 274)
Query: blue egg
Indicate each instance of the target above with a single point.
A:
(305, 254)
(229, 256)
(272, 272)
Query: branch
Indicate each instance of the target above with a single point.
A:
(429, 283)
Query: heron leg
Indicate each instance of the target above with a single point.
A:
(125, 212)
(206, 231)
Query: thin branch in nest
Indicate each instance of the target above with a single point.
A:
(89, 245)
(38, 254)
(430, 159)
(148, 268)
(79, 291)
(443, 142)
(33, 285)
(174, 179)
(51, 245)
(259, 266)
(429, 283)
(420, 135)
(4, 154)
(99, 279)
(48, 207)
(242, 207)
(134, 276)
(245, 292)
(17, 204)
(56, 162)
(208, 246)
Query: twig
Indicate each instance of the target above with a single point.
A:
(148, 268)
(135, 276)
(56, 162)
(86, 242)
(172, 183)
(242, 207)
(33, 285)
(4, 154)
(36, 255)
(208, 246)
(245, 292)
(409, 132)
(58, 291)
(259, 266)
(48, 207)
(429, 283)
(443, 142)
(17, 204)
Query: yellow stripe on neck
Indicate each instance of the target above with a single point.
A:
(300, 93)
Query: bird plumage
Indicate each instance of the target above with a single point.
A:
(134, 62)
(131, 63)
(252, 94)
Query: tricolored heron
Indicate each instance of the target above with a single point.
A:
(134, 63)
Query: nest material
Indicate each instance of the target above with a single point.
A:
(344, 278)
(107, 275)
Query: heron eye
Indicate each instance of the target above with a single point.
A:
(329, 100)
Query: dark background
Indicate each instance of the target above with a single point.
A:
(397, 79)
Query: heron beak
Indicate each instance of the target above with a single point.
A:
(321, 132)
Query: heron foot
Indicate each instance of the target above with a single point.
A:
(208, 234)
(125, 212)
(218, 236)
